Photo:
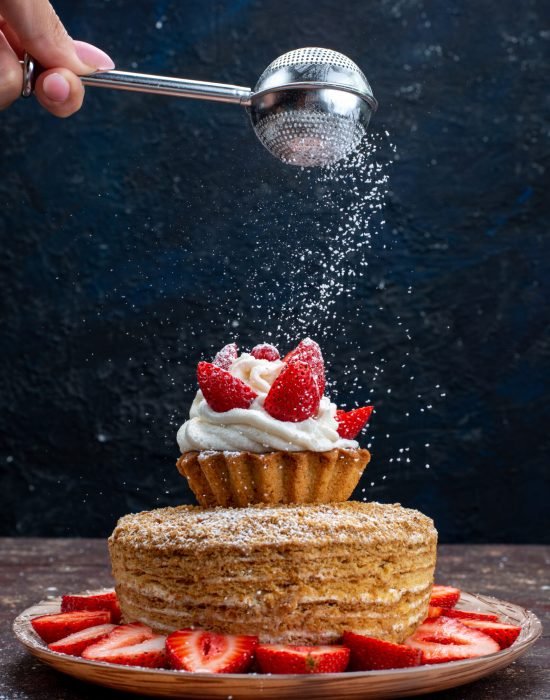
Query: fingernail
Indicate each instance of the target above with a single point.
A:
(56, 87)
(92, 56)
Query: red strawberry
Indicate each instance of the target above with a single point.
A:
(95, 601)
(222, 390)
(121, 636)
(444, 596)
(226, 356)
(443, 639)
(293, 395)
(370, 654)
(350, 423)
(504, 635)
(469, 615)
(75, 643)
(210, 652)
(150, 653)
(309, 352)
(51, 628)
(285, 658)
(265, 351)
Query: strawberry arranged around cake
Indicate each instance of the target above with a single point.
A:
(275, 571)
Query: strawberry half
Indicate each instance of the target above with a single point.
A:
(370, 654)
(469, 615)
(95, 601)
(444, 639)
(122, 636)
(308, 351)
(351, 423)
(51, 628)
(293, 396)
(286, 658)
(265, 351)
(503, 634)
(201, 651)
(221, 389)
(75, 643)
(444, 596)
(226, 356)
(151, 653)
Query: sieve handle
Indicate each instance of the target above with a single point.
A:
(142, 82)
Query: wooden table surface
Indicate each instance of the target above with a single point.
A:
(32, 569)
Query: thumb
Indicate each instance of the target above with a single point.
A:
(42, 34)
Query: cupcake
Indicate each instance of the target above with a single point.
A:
(261, 430)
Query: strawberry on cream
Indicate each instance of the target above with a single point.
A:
(253, 429)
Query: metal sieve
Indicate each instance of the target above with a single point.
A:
(310, 107)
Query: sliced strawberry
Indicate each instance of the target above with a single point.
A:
(286, 658)
(221, 389)
(75, 643)
(51, 628)
(121, 636)
(504, 635)
(95, 601)
(369, 653)
(444, 639)
(293, 396)
(226, 356)
(434, 611)
(308, 351)
(444, 596)
(265, 351)
(150, 652)
(469, 615)
(209, 652)
(351, 423)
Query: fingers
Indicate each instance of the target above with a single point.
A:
(59, 91)
(11, 75)
(42, 34)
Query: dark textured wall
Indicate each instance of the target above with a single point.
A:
(130, 234)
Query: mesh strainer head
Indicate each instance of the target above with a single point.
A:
(311, 107)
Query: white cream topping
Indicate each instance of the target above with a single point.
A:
(253, 429)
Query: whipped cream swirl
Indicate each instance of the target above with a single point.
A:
(253, 429)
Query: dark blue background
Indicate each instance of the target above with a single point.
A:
(130, 231)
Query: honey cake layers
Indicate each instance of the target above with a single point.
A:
(297, 574)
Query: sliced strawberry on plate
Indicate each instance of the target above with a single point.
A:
(122, 636)
(444, 639)
(503, 634)
(221, 389)
(226, 356)
(150, 653)
(444, 596)
(370, 654)
(94, 601)
(308, 351)
(469, 615)
(75, 643)
(51, 628)
(351, 423)
(265, 351)
(286, 658)
(201, 651)
(293, 396)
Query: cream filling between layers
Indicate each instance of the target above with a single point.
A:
(253, 429)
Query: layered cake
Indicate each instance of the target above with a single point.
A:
(290, 573)
(274, 549)
(261, 430)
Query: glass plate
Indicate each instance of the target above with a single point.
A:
(358, 685)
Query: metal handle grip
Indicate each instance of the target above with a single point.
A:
(142, 82)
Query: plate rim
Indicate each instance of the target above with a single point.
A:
(26, 636)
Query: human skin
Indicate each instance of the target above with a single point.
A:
(33, 26)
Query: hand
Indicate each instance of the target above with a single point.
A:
(33, 26)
